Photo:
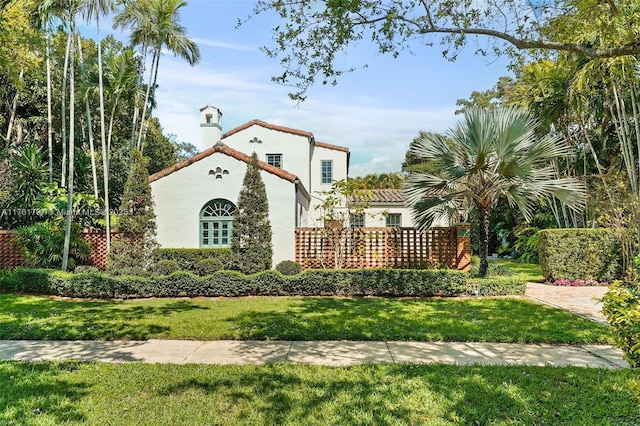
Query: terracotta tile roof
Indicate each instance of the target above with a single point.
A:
(269, 126)
(334, 147)
(224, 149)
(387, 196)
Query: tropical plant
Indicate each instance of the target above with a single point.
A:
(489, 154)
(341, 204)
(155, 24)
(136, 223)
(42, 245)
(251, 232)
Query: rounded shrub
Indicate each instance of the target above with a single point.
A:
(289, 267)
(165, 267)
(208, 266)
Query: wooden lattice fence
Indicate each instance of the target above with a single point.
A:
(11, 256)
(387, 247)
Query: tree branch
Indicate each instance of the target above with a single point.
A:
(523, 44)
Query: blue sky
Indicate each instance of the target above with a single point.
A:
(375, 111)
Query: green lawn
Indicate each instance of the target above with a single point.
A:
(296, 318)
(73, 393)
(529, 272)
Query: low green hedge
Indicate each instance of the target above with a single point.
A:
(188, 259)
(580, 254)
(369, 282)
(496, 286)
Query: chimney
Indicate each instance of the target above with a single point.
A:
(210, 125)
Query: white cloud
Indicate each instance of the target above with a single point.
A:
(377, 133)
(222, 44)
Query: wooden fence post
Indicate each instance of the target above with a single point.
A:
(463, 243)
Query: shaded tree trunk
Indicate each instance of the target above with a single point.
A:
(484, 240)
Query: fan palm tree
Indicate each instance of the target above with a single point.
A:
(489, 154)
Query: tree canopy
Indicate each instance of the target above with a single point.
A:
(313, 34)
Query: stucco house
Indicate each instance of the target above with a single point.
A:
(195, 199)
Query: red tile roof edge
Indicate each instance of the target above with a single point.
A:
(268, 126)
(230, 152)
(329, 146)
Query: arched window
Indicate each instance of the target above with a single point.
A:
(216, 222)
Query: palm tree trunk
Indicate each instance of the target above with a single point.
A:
(14, 107)
(105, 151)
(154, 65)
(92, 151)
(49, 113)
(63, 176)
(484, 240)
(67, 229)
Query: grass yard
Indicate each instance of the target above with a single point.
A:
(529, 272)
(296, 318)
(285, 394)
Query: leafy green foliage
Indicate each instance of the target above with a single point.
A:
(251, 233)
(621, 306)
(378, 282)
(41, 244)
(208, 266)
(164, 267)
(490, 154)
(189, 259)
(289, 267)
(136, 225)
(580, 254)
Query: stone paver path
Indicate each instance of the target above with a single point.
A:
(579, 300)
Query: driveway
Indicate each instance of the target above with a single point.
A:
(579, 300)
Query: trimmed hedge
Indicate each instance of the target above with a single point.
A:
(367, 282)
(497, 286)
(580, 254)
(188, 259)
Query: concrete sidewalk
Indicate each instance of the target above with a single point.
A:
(333, 353)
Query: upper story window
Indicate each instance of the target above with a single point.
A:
(209, 118)
(327, 171)
(393, 219)
(356, 220)
(274, 160)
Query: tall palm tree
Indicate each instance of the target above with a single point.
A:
(155, 24)
(96, 8)
(489, 154)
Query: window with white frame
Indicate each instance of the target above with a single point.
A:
(393, 219)
(216, 223)
(356, 220)
(274, 160)
(327, 171)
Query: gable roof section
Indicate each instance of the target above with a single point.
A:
(224, 149)
(283, 129)
(266, 125)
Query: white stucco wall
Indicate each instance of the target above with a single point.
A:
(339, 161)
(180, 196)
(294, 148)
